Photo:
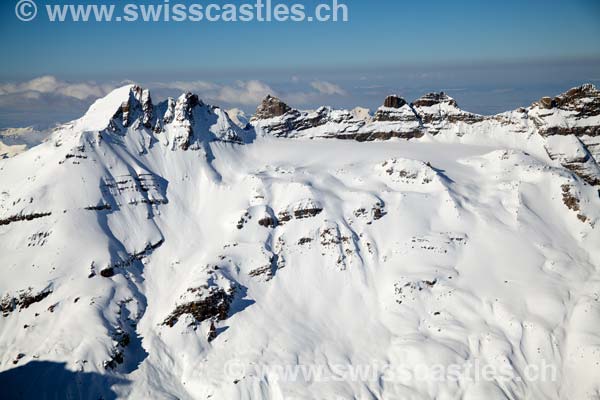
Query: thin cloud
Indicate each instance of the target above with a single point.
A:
(192, 86)
(51, 85)
(247, 93)
(328, 88)
(252, 92)
(239, 93)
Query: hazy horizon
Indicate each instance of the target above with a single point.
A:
(44, 101)
(490, 56)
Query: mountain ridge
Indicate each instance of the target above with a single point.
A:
(575, 112)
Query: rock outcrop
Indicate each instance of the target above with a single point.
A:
(436, 110)
(395, 109)
(572, 154)
(271, 107)
(575, 112)
(394, 101)
(213, 303)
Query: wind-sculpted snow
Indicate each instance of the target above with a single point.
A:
(161, 251)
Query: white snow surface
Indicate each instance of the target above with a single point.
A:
(456, 249)
(238, 117)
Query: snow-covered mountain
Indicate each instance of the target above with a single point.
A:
(163, 251)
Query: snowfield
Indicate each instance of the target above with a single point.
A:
(166, 252)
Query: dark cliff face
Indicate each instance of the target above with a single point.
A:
(271, 107)
(394, 101)
(395, 109)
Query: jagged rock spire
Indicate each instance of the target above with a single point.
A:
(138, 101)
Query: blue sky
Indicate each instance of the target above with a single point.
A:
(482, 49)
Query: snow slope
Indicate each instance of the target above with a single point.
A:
(161, 251)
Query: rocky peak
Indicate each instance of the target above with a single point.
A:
(125, 112)
(170, 111)
(585, 99)
(184, 117)
(432, 99)
(138, 103)
(395, 109)
(271, 107)
(184, 106)
(573, 112)
(147, 108)
(394, 101)
(183, 123)
(438, 110)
